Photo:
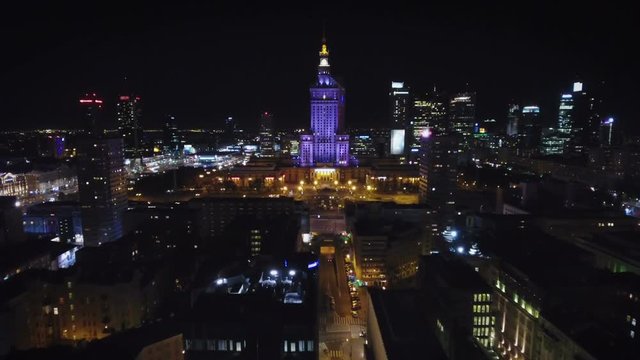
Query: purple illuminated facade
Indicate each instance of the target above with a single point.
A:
(324, 146)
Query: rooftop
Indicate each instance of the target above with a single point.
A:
(405, 332)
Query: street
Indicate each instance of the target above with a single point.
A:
(339, 330)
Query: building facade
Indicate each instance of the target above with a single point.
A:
(102, 189)
(266, 135)
(128, 121)
(462, 112)
(325, 145)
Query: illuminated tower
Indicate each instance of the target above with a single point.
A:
(324, 146)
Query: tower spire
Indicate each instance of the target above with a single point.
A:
(323, 67)
(324, 32)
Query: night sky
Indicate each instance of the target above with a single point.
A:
(202, 63)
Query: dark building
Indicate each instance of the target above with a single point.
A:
(85, 302)
(171, 140)
(128, 114)
(216, 213)
(102, 185)
(439, 175)
(459, 306)
(267, 142)
(165, 225)
(609, 133)
(513, 119)
(579, 119)
(369, 143)
(10, 220)
(248, 236)
(91, 114)
(265, 311)
(230, 131)
(462, 113)
(529, 131)
(575, 303)
(397, 328)
(55, 219)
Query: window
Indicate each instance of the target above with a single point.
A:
(222, 345)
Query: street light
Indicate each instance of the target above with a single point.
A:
(292, 272)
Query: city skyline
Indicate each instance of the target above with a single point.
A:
(193, 65)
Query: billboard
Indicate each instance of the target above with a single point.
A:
(397, 141)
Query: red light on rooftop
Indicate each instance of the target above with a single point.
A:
(124, 97)
(84, 101)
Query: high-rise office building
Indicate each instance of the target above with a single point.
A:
(128, 114)
(399, 105)
(462, 112)
(266, 135)
(439, 174)
(429, 112)
(229, 133)
(579, 119)
(90, 113)
(101, 187)
(400, 115)
(171, 139)
(513, 119)
(325, 144)
(552, 142)
(530, 132)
